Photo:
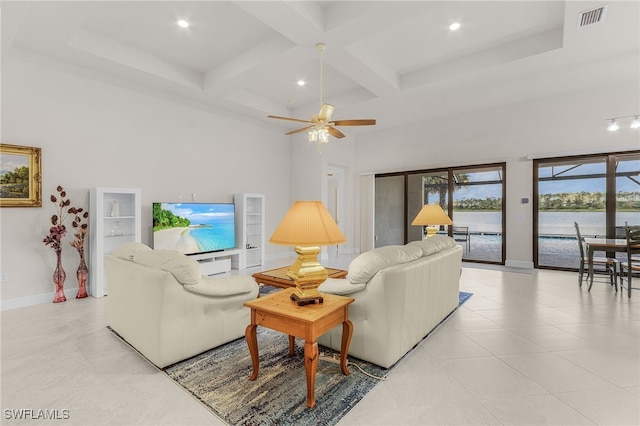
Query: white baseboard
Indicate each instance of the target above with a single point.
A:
(38, 299)
(519, 264)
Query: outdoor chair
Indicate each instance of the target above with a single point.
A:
(632, 265)
(620, 232)
(461, 234)
(610, 264)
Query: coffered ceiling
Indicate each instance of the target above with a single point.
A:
(394, 61)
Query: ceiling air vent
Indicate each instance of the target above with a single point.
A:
(593, 16)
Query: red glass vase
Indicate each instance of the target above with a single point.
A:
(82, 273)
(58, 279)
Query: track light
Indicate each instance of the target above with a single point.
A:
(613, 122)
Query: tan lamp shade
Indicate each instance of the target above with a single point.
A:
(307, 224)
(430, 216)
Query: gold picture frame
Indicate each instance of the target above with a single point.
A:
(20, 176)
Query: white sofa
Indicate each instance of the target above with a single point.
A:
(401, 293)
(159, 302)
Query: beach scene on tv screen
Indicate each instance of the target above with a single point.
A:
(193, 227)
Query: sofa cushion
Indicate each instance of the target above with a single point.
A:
(367, 264)
(223, 286)
(433, 244)
(126, 251)
(185, 269)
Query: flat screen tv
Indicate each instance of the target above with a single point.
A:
(194, 228)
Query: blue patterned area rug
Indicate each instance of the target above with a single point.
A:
(463, 297)
(219, 378)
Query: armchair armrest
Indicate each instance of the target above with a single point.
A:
(223, 286)
(340, 286)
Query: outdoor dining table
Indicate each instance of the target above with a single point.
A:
(602, 244)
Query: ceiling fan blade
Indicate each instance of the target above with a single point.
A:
(335, 132)
(325, 112)
(288, 118)
(363, 122)
(293, 132)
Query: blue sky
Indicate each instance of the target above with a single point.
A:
(566, 186)
(9, 162)
(201, 213)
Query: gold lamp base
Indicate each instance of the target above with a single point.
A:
(307, 273)
(431, 231)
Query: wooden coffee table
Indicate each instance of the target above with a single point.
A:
(278, 277)
(278, 312)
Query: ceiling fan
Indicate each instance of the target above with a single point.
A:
(321, 126)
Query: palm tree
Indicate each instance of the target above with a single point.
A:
(439, 185)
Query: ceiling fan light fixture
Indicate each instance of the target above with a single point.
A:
(320, 126)
(323, 136)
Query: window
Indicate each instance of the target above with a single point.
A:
(599, 192)
(478, 212)
(472, 196)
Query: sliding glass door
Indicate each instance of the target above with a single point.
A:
(472, 196)
(598, 192)
(389, 211)
(425, 188)
(478, 215)
(627, 192)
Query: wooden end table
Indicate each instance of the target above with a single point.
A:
(278, 312)
(278, 277)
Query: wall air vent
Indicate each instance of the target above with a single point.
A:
(593, 16)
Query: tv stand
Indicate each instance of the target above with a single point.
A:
(218, 262)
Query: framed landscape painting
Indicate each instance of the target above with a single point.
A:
(20, 176)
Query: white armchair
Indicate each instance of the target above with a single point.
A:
(159, 302)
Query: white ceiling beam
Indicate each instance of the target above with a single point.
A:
(279, 16)
(339, 20)
(11, 26)
(235, 71)
(346, 22)
(109, 49)
(531, 45)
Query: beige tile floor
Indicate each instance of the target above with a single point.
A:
(526, 349)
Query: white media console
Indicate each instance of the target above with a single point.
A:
(218, 262)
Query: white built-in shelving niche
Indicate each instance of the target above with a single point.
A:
(110, 227)
(250, 210)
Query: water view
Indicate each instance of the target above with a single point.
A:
(557, 244)
(550, 223)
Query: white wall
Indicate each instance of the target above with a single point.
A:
(570, 124)
(340, 154)
(309, 181)
(95, 134)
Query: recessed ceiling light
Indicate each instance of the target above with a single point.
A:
(182, 23)
(454, 26)
(301, 82)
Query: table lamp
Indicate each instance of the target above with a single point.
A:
(430, 216)
(307, 226)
